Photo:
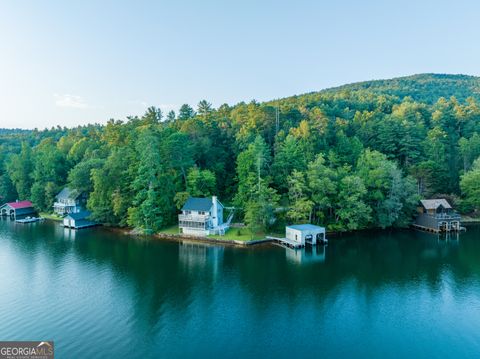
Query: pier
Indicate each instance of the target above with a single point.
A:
(285, 242)
(29, 220)
(439, 229)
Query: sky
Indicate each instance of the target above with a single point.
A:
(75, 62)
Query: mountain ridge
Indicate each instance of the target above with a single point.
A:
(423, 87)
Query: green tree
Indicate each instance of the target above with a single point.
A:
(470, 186)
(300, 210)
(260, 208)
(20, 170)
(201, 183)
(80, 176)
(252, 167)
(351, 211)
(152, 206)
(185, 112)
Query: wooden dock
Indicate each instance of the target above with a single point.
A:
(81, 226)
(28, 220)
(285, 242)
(434, 230)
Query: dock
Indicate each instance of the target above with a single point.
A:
(29, 220)
(81, 225)
(437, 230)
(285, 242)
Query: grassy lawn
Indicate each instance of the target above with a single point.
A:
(233, 234)
(238, 234)
(170, 230)
(51, 216)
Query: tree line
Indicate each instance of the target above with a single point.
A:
(347, 159)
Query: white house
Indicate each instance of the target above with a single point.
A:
(69, 201)
(305, 233)
(202, 216)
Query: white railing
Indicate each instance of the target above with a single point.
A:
(193, 217)
(454, 216)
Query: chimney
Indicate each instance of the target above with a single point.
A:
(215, 211)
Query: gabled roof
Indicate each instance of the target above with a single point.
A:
(435, 203)
(198, 204)
(20, 204)
(68, 193)
(78, 216)
(303, 227)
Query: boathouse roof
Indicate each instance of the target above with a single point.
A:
(305, 227)
(435, 203)
(198, 204)
(20, 204)
(79, 215)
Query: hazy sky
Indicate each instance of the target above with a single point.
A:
(75, 62)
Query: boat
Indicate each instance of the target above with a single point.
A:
(29, 220)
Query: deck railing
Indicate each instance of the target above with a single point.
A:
(193, 217)
(445, 216)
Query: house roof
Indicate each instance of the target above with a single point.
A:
(435, 203)
(197, 204)
(68, 193)
(20, 204)
(78, 216)
(303, 227)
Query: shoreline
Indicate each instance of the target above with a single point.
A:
(181, 238)
(236, 243)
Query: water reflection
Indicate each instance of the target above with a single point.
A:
(308, 254)
(201, 256)
(171, 295)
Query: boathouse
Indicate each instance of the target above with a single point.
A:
(305, 233)
(437, 215)
(69, 201)
(202, 217)
(78, 220)
(17, 209)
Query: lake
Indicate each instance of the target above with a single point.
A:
(101, 294)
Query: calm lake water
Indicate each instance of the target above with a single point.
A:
(100, 294)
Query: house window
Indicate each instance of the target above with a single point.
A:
(188, 212)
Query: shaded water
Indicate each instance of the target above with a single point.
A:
(100, 294)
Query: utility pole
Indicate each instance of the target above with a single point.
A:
(277, 120)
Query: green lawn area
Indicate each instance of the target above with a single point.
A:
(170, 230)
(51, 216)
(238, 234)
(233, 234)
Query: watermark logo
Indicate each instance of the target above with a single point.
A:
(26, 350)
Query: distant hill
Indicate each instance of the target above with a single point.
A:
(426, 88)
(12, 131)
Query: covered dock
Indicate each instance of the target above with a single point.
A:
(78, 220)
(17, 209)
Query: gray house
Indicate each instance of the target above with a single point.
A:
(69, 201)
(202, 216)
(437, 215)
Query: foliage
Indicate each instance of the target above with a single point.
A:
(358, 156)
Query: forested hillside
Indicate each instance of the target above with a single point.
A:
(354, 157)
(423, 88)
